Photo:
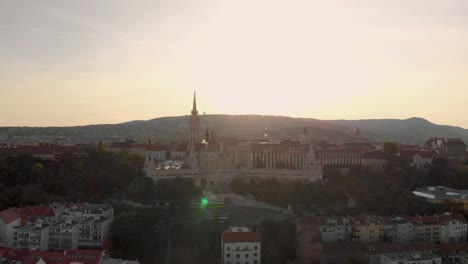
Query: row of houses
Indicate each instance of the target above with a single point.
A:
(444, 228)
(56, 227)
(69, 256)
(436, 239)
(46, 152)
(382, 253)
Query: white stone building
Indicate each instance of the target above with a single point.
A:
(240, 245)
(93, 231)
(64, 235)
(9, 221)
(284, 160)
(410, 258)
(34, 236)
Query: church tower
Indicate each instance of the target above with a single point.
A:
(357, 135)
(305, 139)
(194, 131)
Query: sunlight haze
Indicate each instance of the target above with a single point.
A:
(89, 62)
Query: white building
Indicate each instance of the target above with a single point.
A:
(79, 212)
(410, 258)
(281, 159)
(453, 228)
(56, 227)
(9, 221)
(93, 231)
(34, 236)
(64, 235)
(240, 245)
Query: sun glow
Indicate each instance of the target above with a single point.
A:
(322, 59)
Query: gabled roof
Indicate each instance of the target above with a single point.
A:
(13, 255)
(34, 212)
(84, 256)
(48, 257)
(156, 147)
(9, 215)
(236, 237)
(455, 142)
(178, 147)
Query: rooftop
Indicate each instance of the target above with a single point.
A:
(411, 256)
(237, 237)
(440, 193)
(9, 215)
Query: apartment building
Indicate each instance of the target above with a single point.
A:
(56, 227)
(34, 236)
(444, 228)
(64, 235)
(241, 246)
(410, 258)
(93, 231)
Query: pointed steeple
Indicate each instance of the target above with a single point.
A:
(194, 107)
(212, 138)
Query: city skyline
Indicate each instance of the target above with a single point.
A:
(78, 63)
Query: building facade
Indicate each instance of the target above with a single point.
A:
(444, 228)
(218, 161)
(240, 245)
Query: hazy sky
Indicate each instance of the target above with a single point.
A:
(80, 62)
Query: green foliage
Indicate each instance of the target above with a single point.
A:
(278, 240)
(134, 235)
(284, 193)
(141, 189)
(390, 150)
(97, 177)
(179, 191)
(371, 190)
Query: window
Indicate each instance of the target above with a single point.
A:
(246, 255)
(228, 255)
(237, 255)
(256, 247)
(255, 254)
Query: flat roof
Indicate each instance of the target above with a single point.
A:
(441, 193)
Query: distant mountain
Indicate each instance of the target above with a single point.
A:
(166, 129)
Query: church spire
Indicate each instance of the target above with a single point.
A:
(194, 108)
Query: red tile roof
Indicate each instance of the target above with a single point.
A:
(422, 153)
(48, 257)
(84, 256)
(69, 256)
(13, 255)
(9, 215)
(409, 147)
(155, 147)
(455, 142)
(179, 147)
(34, 212)
(27, 214)
(235, 237)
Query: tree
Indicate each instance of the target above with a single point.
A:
(390, 150)
(142, 189)
(270, 255)
(237, 186)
